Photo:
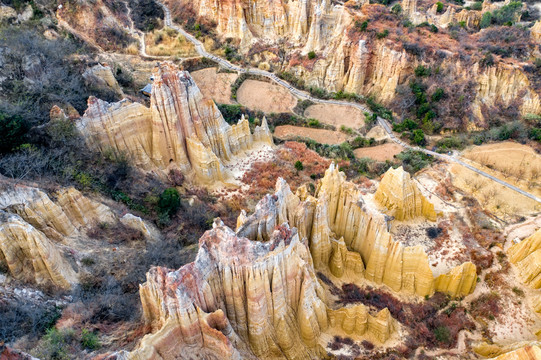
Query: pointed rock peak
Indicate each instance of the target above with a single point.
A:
(400, 195)
(264, 123)
(242, 118)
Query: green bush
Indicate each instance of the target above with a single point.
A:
(312, 55)
(433, 28)
(407, 124)
(314, 123)
(56, 343)
(396, 9)
(438, 95)
(419, 137)
(382, 34)
(439, 7)
(507, 14)
(413, 160)
(422, 71)
(442, 334)
(89, 340)
(169, 202)
(298, 165)
(231, 113)
(12, 130)
(363, 26)
(346, 130)
(486, 20)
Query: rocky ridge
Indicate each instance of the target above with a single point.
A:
(254, 293)
(180, 130)
(37, 230)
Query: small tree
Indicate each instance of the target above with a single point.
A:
(312, 55)
(439, 7)
(12, 128)
(298, 165)
(364, 25)
(169, 202)
(419, 137)
(486, 20)
(396, 9)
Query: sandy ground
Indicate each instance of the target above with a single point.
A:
(213, 85)
(336, 115)
(290, 132)
(260, 95)
(379, 152)
(511, 162)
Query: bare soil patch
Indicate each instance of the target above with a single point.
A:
(260, 95)
(214, 85)
(337, 115)
(290, 132)
(380, 152)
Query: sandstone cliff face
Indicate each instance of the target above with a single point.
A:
(39, 230)
(254, 293)
(527, 352)
(506, 83)
(34, 229)
(300, 22)
(338, 218)
(401, 198)
(526, 255)
(180, 129)
(245, 299)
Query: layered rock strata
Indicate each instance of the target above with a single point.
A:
(33, 228)
(349, 237)
(245, 299)
(526, 255)
(308, 23)
(180, 129)
(253, 292)
(36, 229)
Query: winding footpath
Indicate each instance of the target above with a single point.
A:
(306, 96)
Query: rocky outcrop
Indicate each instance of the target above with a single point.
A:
(401, 198)
(305, 22)
(38, 229)
(535, 31)
(33, 229)
(102, 76)
(527, 352)
(505, 84)
(526, 255)
(180, 129)
(254, 293)
(339, 218)
(245, 299)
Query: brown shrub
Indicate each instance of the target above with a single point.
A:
(486, 306)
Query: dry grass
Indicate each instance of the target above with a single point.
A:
(167, 42)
